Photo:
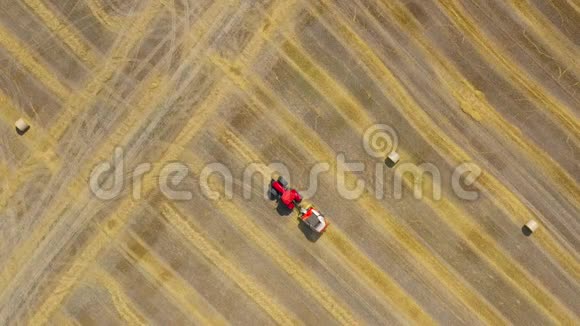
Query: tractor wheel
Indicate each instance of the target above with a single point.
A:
(283, 181)
(273, 194)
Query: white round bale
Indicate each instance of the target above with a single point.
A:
(21, 125)
(532, 226)
(394, 157)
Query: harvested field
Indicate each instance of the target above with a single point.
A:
(243, 84)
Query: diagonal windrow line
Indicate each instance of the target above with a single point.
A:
(188, 300)
(465, 93)
(193, 126)
(122, 303)
(64, 32)
(85, 98)
(321, 82)
(63, 318)
(188, 132)
(557, 42)
(33, 139)
(112, 22)
(574, 4)
(511, 71)
(25, 252)
(250, 286)
(307, 279)
(26, 59)
(373, 277)
(475, 103)
(509, 202)
(506, 200)
(263, 102)
(125, 131)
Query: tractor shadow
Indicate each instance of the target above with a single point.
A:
(309, 234)
(282, 209)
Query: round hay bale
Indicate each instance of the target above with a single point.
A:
(21, 126)
(392, 159)
(530, 227)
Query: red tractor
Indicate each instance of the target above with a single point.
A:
(279, 191)
(291, 199)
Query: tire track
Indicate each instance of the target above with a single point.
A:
(514, 272)
(25, 58)
(261, 99)
(24, 253)
(86, 97)
(476, 104)
(113, 23)
(114, 224)
(188, 132)
(158, 272)
(86, 258)
(127, 206)
(28, 168)
(374, 278)
(437, 137)
(500, 194)
(64, 32)
(89, 255)
(205, 111)
(144, 108)
(122, 303)
(309, 281)
(268, 246)
(250, 286)
(33, 137)
(508, 69)
(62, 318)
(565, 50)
